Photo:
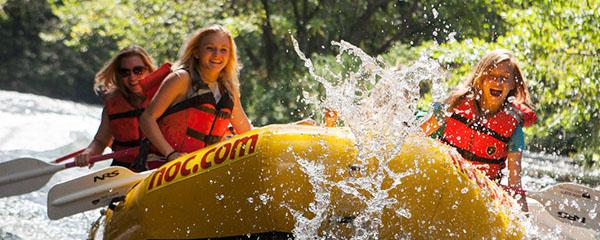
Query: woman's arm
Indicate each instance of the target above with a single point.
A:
(101, 140)
(173, 88)
(434, 120)
(514, 177)
(239, 120)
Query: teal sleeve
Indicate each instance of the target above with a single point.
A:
(517, 141)
(436, 111)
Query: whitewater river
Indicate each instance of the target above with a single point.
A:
(44, 128)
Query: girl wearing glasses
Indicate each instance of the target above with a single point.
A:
(484, 117)
(196, 102)
(119, 82)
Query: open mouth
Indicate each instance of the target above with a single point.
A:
(495, 93)
(216, 62)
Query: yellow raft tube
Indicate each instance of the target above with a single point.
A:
(246, 186)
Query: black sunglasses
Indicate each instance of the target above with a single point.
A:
(137, 70)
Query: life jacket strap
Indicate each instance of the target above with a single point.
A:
(472, 157)
(128, 114)
(139, 164)
(479, 127)
(208, 139)
(225, 115)
(132, 143)
(192, 102)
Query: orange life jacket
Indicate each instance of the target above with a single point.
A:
(197, 121)
(484, 140)
(124, 117)
(124, 126)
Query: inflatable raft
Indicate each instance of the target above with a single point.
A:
(253, 185)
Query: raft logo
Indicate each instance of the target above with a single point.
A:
(204, 161)
(106, 175)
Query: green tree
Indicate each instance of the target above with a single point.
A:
(271, 73)
(31, 63)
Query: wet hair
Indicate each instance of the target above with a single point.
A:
(228, 76)
(108, 79)
(488, 62)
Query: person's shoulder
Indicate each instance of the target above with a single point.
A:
(111, 94)
(178, 75)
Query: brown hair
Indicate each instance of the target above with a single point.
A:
(487, 63)
(228, 77)
(107, 78)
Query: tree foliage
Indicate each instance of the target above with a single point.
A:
(54, 47)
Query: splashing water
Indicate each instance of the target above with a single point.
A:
(377, 103)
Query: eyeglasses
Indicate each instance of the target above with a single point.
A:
(137, 70)
(496, 78)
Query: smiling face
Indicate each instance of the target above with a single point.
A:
(213, 53)
(131, 71)
(495, 85)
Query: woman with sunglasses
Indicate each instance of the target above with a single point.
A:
(120, 83)
(196, 103)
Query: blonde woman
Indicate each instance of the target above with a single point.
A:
(196, 102)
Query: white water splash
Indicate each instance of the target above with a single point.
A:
(377, 103)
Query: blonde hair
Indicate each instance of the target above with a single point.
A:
(229, 76)
(108, 79)
(486, 64)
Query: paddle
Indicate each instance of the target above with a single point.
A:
(26, 175)
(68, 156)
(570, 203)
(91, 191)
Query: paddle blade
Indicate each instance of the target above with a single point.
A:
(571, 203)
(25, 175)
(91, 191)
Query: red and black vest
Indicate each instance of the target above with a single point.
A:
(484, 140)
(124, 117)
(197, 121)
(124, 126)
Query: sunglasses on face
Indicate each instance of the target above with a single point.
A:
(137, 70)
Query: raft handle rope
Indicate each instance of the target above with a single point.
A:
(96, 225)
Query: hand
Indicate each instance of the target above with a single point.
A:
(84, 160)
(174, 155)
(307, 122)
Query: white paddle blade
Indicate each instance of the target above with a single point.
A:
(25, 175)
(548, 224)
(571, 203)
(91, 191)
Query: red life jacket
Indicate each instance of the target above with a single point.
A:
(124, 118)
(197, 121)
(484, 140)
(124, 126)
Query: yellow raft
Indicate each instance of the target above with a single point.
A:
(250, 185)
